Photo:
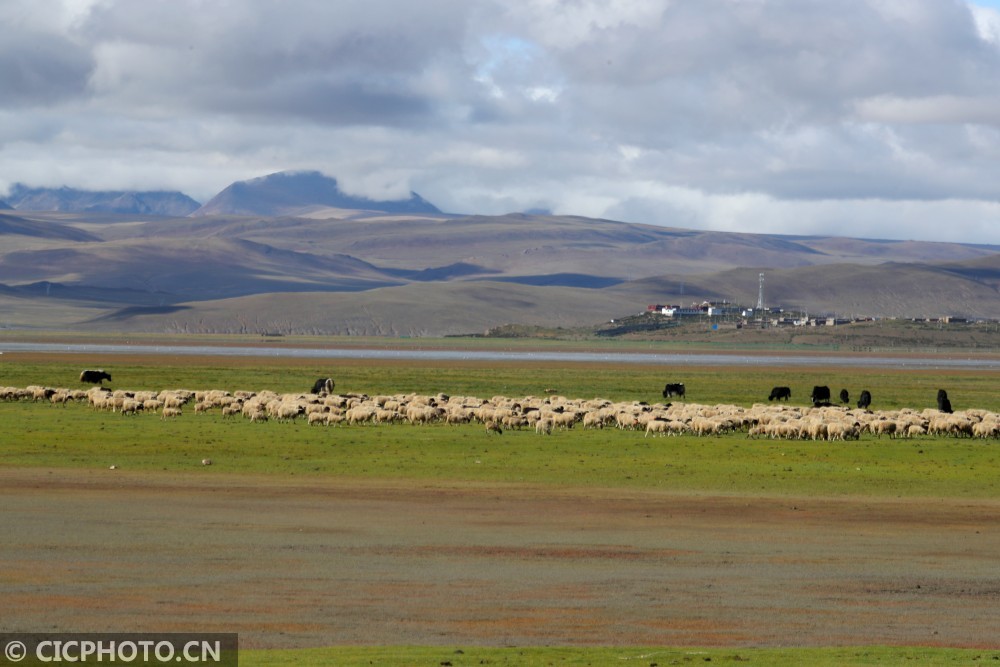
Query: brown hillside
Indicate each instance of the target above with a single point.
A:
(424, 274)
(883, 290)
(433, 309)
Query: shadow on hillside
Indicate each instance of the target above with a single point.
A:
(135, 311)
(562, 280)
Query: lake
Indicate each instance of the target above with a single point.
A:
(647, 358)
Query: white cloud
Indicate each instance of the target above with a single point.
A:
(987, 23)
(478, 156)
(938, 109)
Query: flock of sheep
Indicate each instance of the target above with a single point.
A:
(541, 414)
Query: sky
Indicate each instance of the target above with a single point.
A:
(863, 118)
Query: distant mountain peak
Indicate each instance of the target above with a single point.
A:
(71, 200)
(288, 192)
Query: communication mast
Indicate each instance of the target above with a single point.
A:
(760, 301)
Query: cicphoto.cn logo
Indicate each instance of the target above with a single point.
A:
(120, 648)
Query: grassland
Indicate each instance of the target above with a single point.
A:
(75, 435)
(46, 436)
(742, 383)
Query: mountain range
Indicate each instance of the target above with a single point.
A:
(282, 193)
(22, 197)
(295, 193)
(290, 253)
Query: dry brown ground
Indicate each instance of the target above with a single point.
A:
(290, 562)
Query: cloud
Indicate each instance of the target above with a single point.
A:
(875, 116)
(40, 69)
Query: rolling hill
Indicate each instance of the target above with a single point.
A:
(360, 271)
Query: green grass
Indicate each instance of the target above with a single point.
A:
(77, 436)
(599, 657)
(738, 385)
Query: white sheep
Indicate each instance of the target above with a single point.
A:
(885, 427)
(593, 419)
(986, 429)
(657, 426)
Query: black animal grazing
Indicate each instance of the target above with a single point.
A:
(95, 377)
(944, 405)
(845, 398)
(820, 395)
(778, 393)
(865, 400)
(673, 389)
(323, 386)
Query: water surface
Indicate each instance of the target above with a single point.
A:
(648, 358)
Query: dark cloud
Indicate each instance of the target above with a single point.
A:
(350, 102)
(40, 69)
(344, 62)
(788, 115)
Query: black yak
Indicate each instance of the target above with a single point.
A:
(865, 400)
(95, 377)
(944, 405)
(779, 393)
(673, 389)
(820, 395)
(323, 386)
